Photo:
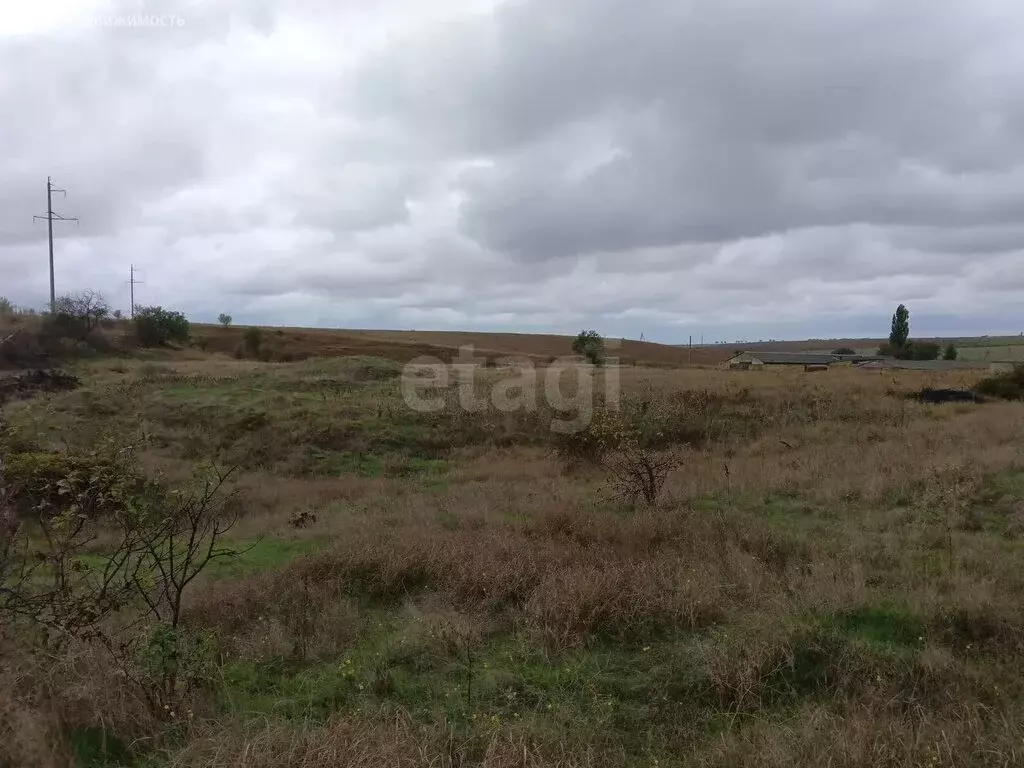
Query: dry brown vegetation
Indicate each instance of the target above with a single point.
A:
(301, 343)
(830, 577)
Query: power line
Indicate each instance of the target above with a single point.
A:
(132, 282)
(50, 217)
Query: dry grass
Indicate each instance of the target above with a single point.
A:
(302, 343)
(831, 578)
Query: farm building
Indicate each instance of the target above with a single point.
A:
(854, 359)
(891, 364)
(759, 360)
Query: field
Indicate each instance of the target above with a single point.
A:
(970, 348)
(831, 576)
(406, 345)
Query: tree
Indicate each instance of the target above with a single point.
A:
(77, 314)
(900, 331)
(6, 307)
(950, 352)
(118, 314)
(157, 326)
(590, 345)
(224, 319)
(844, 351)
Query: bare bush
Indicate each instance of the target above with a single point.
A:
(78, 314)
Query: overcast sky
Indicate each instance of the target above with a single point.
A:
(733, 169)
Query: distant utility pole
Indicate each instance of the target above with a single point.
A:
(689, 355)
(132, 281)
(50, 216)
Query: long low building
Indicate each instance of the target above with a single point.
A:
(924, 365)
(758, 360)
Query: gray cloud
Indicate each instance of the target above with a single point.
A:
(742, 168)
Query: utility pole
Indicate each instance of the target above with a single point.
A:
(689, 357)
(50, 216)
(132, 281)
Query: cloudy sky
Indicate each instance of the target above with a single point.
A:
(729, 169)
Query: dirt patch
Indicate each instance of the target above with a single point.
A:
(32, 383)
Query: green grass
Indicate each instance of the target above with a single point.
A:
(95, 748)
(260, 555)
(606, 692)
(881, 626)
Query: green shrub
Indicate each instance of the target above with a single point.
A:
(156, 326)
(1008, 385)
(86, 484)
(252, 340)
(924, 350)
(590, 345)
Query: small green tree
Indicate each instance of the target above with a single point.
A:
(950, 352)
(899, 332)
(6, 307)
(590, 345)
(224, 319)
(844, 351)
(157, 326)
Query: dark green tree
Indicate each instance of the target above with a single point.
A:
(590, 345)
(950, 352)
(900, 331)
(156, 326)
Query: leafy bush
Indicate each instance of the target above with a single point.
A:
(251, 341)
(950, 352)
(912, 350)
(1008, 385)
(157, 326)
(844, 351)
(89, 485)
(590, 345)
(924, 350)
